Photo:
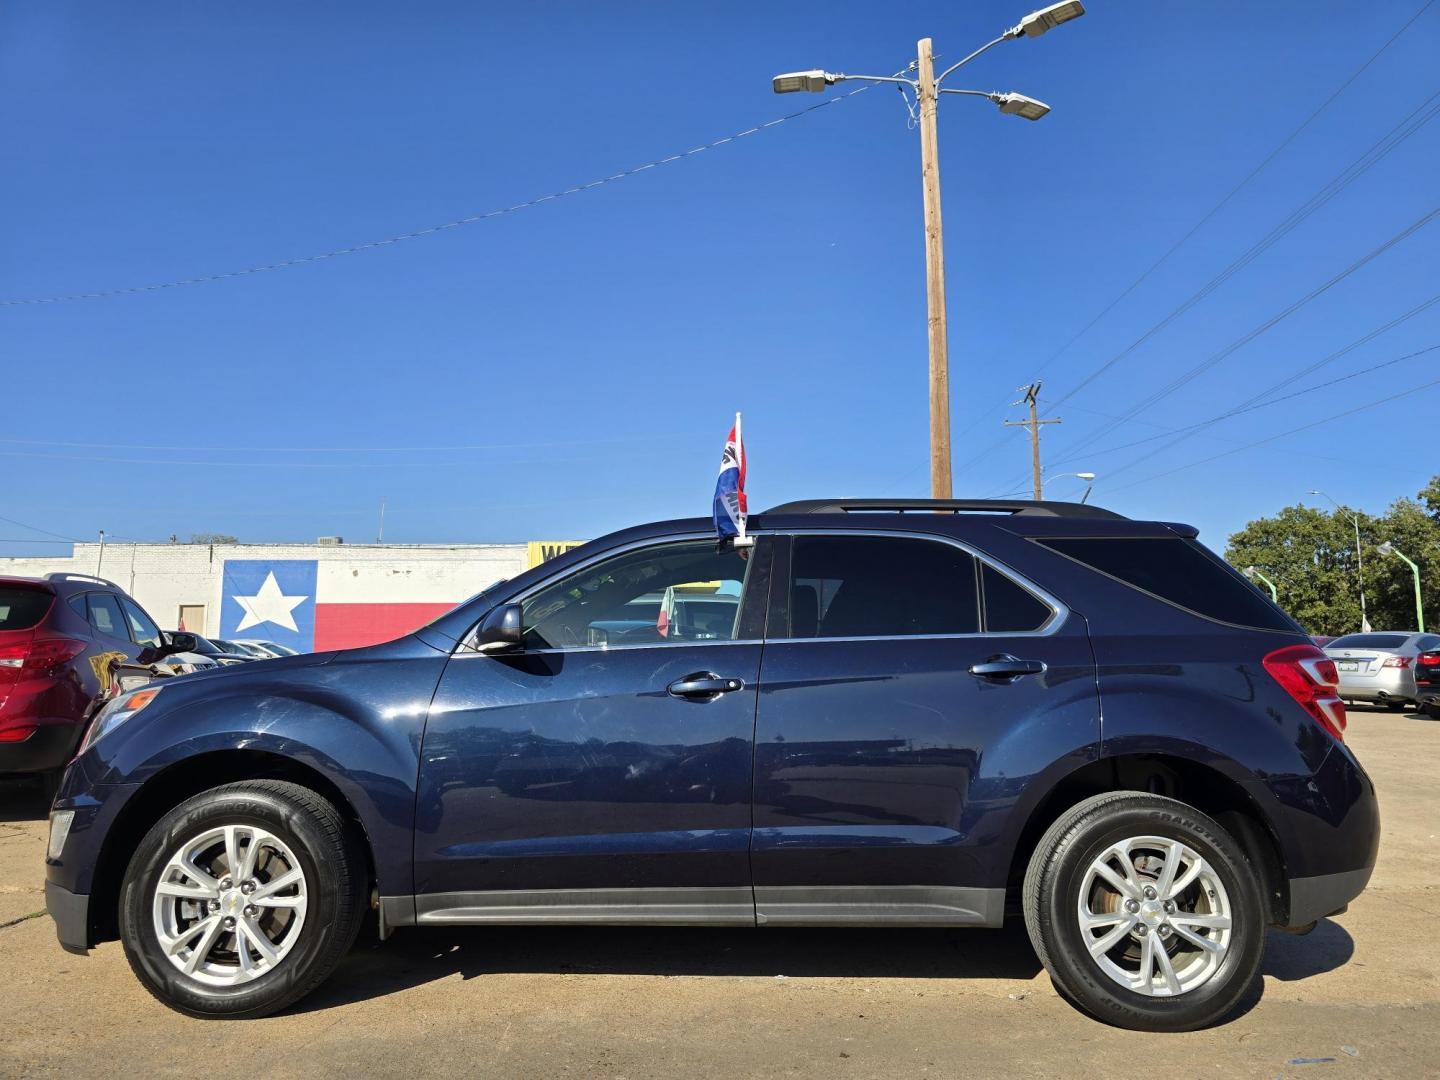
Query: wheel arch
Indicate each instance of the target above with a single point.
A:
(180, 781)
(1206, 788)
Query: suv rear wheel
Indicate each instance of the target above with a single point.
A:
(1145, 912)
(242, 900)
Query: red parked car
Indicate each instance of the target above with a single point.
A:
(1427, 682)
(59, 637)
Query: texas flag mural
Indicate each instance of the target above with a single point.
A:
(315, 606)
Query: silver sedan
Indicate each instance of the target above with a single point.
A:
(1379, 666)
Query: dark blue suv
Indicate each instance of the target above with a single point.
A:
(880, 714)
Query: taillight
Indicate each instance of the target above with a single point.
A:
(1396, 661)
(1428, 660)
(1309, 676)
(16, 734)
(37, 658)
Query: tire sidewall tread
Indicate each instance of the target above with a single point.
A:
(1050, 892)
(329, 854)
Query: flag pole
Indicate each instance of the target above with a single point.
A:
(741, 540)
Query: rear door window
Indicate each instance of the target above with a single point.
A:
(22, 608)
(1010, 608)
(1180, 572)
(105, 616)
(881, 586)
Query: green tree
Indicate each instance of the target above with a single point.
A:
(1310, 555)
(213, 538)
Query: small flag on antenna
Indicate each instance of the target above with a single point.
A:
(729, 508)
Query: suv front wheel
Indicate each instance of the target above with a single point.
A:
(242, 899)
(1145, 912)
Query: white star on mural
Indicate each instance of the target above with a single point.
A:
(270, 605)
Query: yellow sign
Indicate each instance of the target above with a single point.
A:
(539, 551)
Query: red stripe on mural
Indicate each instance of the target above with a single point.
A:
(349, 626)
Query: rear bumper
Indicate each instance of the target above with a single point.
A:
(71, 912)
(1388, 683)
(50, 746)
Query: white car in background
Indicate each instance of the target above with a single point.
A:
(268, 647)
(1379, 667)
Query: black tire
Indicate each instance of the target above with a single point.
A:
(1056, 875)
(1397, 706)
(334, 866)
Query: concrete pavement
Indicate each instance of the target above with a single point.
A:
(1362, 991)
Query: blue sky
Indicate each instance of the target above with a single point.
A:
(591, 350)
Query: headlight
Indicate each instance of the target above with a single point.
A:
(117, 712)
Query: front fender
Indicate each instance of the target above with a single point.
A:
(357, 721)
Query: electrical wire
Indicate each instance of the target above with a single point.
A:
(1283, 434)
(1217, 357)
(1256, 171)
(44, 532)
(1250, 406)
(1251, 175)
(370, 245)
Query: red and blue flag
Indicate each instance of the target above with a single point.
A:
(729, 508)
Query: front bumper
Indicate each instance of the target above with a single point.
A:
(1314, 898)
(71, 912)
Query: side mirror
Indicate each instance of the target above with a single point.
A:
(180, 641)
(500, 631)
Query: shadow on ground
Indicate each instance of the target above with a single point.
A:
(22, 798)
(414, 957)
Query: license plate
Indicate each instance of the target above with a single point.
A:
(1347, 665)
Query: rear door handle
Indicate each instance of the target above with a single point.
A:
(704, 684)
(1006, 668)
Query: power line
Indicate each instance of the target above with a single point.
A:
(44, 532)
(1201, 223)
(1339, 183)
(1249, 406)
(1251, 175)
(1250, 403)
(1215, 358)
(343, 449)
(1284, 434)
(370, 245)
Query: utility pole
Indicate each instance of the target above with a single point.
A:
(939, 348)
(380, 538)
(1032, 393)
(927, 88)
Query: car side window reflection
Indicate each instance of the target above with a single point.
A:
(670, 594)
(105, 616)
(142, 629)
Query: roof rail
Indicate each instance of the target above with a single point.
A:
(1018, 507)
(59, 576)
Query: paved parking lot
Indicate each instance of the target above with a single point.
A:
(1361, 991)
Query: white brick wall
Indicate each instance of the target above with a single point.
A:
(163, 577)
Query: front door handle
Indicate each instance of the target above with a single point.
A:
(703, 685)
(1006, 668)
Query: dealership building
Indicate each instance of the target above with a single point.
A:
(312, 597)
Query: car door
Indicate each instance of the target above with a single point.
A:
(908, 691)
(603, 772)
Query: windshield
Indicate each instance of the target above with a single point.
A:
(1370, 641)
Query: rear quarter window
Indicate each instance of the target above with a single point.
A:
(22, 608)
(1180, 572)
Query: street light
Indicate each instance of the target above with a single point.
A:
(1387, 548)
(1359, 556)
(1253, 572)
(927, 89)
(1088, 477)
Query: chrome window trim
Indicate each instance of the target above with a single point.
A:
(1059, 612)
(465, 648)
